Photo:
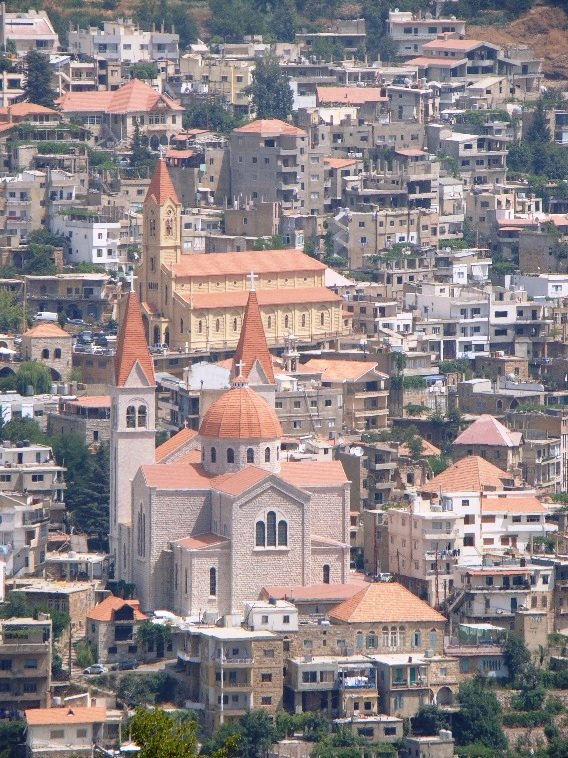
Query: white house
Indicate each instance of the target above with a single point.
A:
(91, 238)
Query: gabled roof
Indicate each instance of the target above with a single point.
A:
(201, 541)
(62, 716)
(257, 261)
(174, 444)
(338, 370)
(384, 602)
(46, 330)
(515, 504)
(252, 347)
(313, 474)
(106, 610)
(161, 187)
(428, 449)
(132, 347)
(134, 97)
(486, 430)
(269, 126)
(470, 474)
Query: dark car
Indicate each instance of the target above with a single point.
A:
(126, 665)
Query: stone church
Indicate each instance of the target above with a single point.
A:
(204, 522)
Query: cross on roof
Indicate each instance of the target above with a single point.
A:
(240, 366)
(252, 276)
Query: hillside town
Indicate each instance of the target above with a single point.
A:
(283, 390)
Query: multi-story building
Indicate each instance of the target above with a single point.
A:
(27, 30)
(224, 77)
(123, 41)
(488, 438)
(111, 630)
(24, 529)
(25, 663)
(88, 416)
(409, 32)
(76, 295)
(92, 239)
(232, 670)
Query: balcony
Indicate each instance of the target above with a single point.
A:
(229, 661)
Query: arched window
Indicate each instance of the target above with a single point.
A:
(250, 455)
(260, 539)
(401, 636)
(131, 417)
(267, 455)
(45, 353)
(385, 632)
(269, 322)
(282, 533)
(235, 325)
(372, 640)
(142, 416)
(359, 640)
(499, 404)
(416, 638)
(326, 573)
(286, 322)
(57, 352)
(212, 582)
(230, 455)
(433, 638)
(394, 637)
(322, 318)
(217, 325)
(181, 325)
(303, 319)
(213, 455)
(271, 529)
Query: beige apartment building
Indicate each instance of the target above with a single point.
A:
(410, 31)
(25, 663)
(225, 77)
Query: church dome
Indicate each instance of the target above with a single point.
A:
(240, 413)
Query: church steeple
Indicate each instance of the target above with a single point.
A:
(161, 187)
(252, 356)
(132, 347)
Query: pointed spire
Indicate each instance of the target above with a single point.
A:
(161, 186)
(252, 347)
(132, 346)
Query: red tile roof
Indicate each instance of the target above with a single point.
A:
(340, 162)
(259, 262)
(132, 347)
(453, 43)
(513, 504)
(314, 592)
(428, 449)
(252, 347)
(269, 126)
(470, 474)
(241, 413)
(46, 331)
(92, 401)
(486, 430)
(176, 476)
(285, 296)
(350, 95)
(241, 481)
(174, 444)
(338, 370)
(201, 541)
(161, 187)
(106, 610)
(313, 474)
(384, 602)
(61, 716)
(134, 97)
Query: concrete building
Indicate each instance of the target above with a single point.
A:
(24, 533)
(27, 30)
(88, 416)
(92, 239)
(25, 663)
(74, 730)
(123, 41)
(409, 32)
(77, 295)
(227, 78)
(488, 438)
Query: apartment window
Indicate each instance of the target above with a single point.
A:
(30, 687)
(269, 652)
(56, 734)
(266, 677)
(266, 700)
(30, 663)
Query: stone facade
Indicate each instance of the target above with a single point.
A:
(50, 345)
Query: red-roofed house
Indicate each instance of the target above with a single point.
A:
(71, 730)
(112, 626)
(489, 439)
(113, 115)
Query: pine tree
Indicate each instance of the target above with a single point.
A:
(140, 155)
(270, 91)
(37, 88)
(539, 130)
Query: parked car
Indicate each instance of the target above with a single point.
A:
(128, 664)
(96, 668)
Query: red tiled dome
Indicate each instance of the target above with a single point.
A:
(241, 414)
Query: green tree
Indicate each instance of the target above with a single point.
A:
(538, 132)
(35, 375)
(155, 636)
(140, 155)
(429, 720)
(283, 21)
(37, 87)
(163, 735)
(479, 718)
(257, 734)
(210, 114)
(84, 654)
(415, 446)
(270, 91)
(11, 312)
(144, 70)
(39, 260)
(20, 429)
(517, 657)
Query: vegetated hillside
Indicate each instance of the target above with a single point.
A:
(544, 28)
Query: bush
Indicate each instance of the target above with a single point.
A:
(84, 654)
(526, 719)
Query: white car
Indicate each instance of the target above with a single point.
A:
(96, 668)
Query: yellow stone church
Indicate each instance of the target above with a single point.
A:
(196, 302)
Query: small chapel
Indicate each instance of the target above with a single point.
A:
(202, 523)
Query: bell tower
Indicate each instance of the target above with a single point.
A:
(133, 428)
(162, 241)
